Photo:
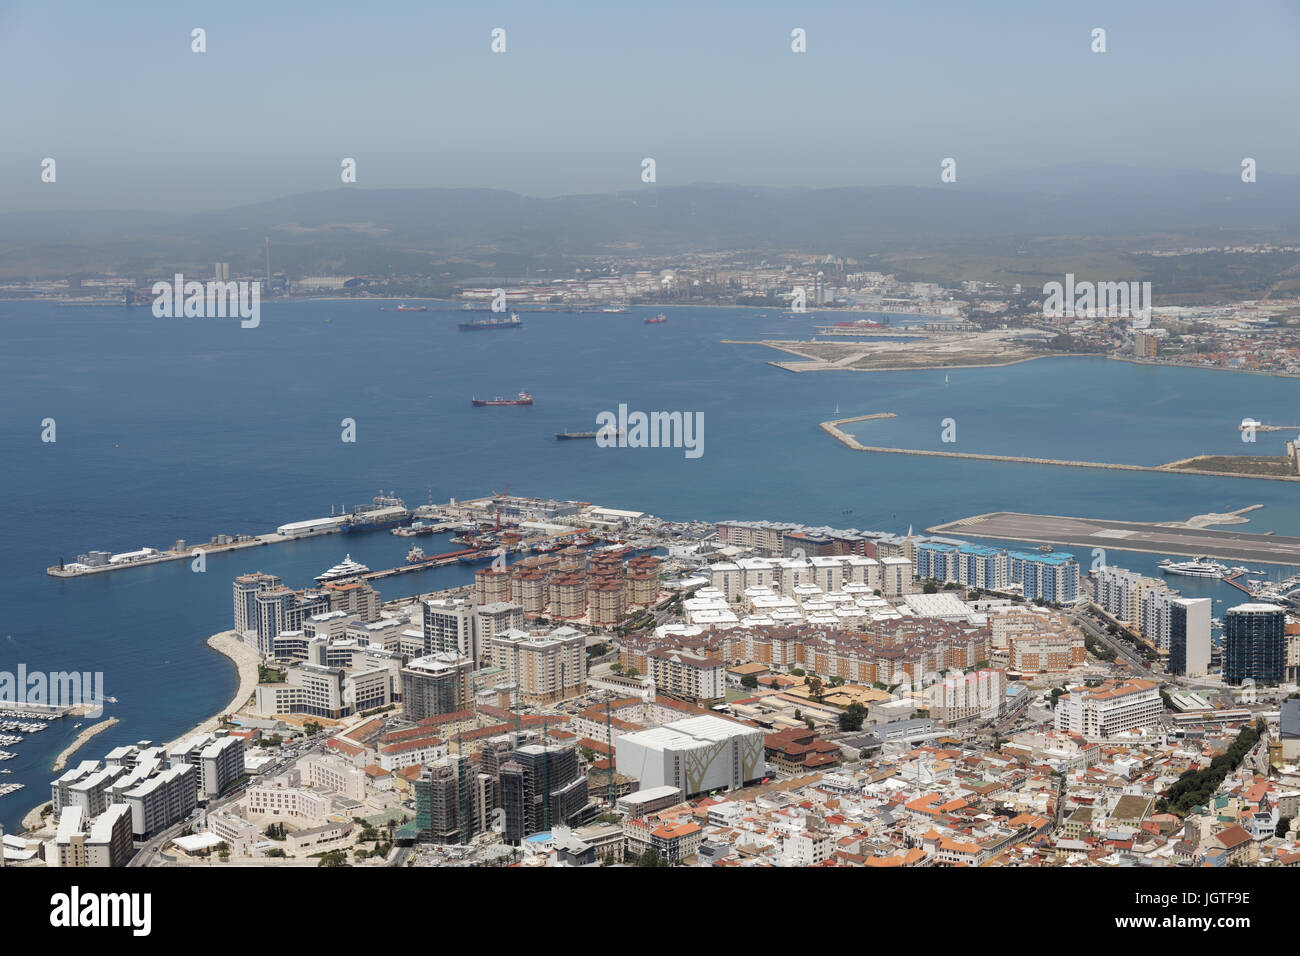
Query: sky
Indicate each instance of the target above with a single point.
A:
(585, 90)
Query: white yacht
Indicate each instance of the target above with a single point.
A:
(348, 569)
(1197, 568)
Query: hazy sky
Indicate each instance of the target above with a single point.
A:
(712, 91)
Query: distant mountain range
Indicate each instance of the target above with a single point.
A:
(398, 227)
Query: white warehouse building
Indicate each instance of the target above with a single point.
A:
(695, 755)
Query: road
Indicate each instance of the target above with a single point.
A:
(1122, 649)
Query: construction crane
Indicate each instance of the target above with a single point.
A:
(546, 780)
(461, 795)
(499, 498)
(609, 742)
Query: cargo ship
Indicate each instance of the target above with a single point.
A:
(407, 308)
(415, 555)
(385, 511)
(479, 557)
(478, 325)
(657, 319)
(860, 324)
(523, 399)
(568, 436)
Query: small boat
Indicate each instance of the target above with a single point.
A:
(523, 399)
(657, 319)
(76, 726)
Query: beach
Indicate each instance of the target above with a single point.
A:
(246, 661)
(227, 644)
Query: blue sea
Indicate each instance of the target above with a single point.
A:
(184, 428)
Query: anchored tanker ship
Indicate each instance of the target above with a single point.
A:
(523, 399)
(477, 325)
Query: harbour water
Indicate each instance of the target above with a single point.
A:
(182, 428)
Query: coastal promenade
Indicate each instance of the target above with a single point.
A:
(833, 429)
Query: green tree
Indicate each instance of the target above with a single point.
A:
(852, 717)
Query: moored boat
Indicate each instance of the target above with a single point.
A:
(1199, 567)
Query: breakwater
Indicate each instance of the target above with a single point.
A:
(833, 429)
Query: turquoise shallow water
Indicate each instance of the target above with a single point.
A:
(174, 428)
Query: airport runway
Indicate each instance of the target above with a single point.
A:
(1127, 536)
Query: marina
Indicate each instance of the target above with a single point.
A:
(1128, 536)
(26, 726)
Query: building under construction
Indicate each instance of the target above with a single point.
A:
(453, 801)
(541, 787)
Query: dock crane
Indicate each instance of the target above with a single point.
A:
(498, 498)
